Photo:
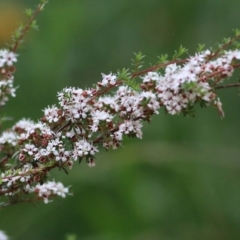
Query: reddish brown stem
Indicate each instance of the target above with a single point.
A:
(223, 47)
(157, 67)
(27, 27)
(227, 86)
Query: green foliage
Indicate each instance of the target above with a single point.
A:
(162, 58)
(34, 25)
(137, 62)
(236, 43)
(237, 32)
(29, 12)
(187, 86)
(43, 2)
(177, 54)
(226, 40)
(189, 110)
(17, 33)
(125, 76)
(71, 237)
(200, 47)
(203, 104)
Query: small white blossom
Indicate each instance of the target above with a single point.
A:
(109, 79)
(153, 103)
(31, 149)
(9, 137)
(233, 54)
(6, 90)
(7, 57)
(49, 189)
(108, 102)
(83, 148)
(98, 116)
(151, 76)
(51, 114)
(130, 126)
(3, 236)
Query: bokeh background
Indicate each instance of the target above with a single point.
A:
(182, 181)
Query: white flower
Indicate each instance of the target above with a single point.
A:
(233, 54)
(62, 155)
(98, 116)
(108, 101)
(118, 135)
(25, 124)
(83, 148)
(122, 91)
(151, 76)
(9, 137)
(109, 79)
(6, 90)
(130, 126)
(51, 114)
(171, 69)
(3, 236)
(153, 103)
(130, 105)
(7, 57)
(10, 57)
(48, 189)
(74, 103)
(30, 149)
(101, 116)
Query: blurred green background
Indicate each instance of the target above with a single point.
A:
(182, 181)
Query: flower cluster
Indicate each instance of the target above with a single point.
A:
(7, 58)
(87, 120)
(50, 189)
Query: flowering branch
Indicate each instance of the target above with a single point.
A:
(87, 120)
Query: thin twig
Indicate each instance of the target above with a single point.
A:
(223, 47)
(27, 26)
(64, 126)
(157, 67)
(228, 86)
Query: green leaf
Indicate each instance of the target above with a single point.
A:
(203, 103)
(182, 50)
(29, 12)
(200, 47)
(162, 58)
(226, 40)
(237, 32)
(125, 76)
(189, 86)
(137, 62)
(34, 25)
(189, 111)
(71, 237)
